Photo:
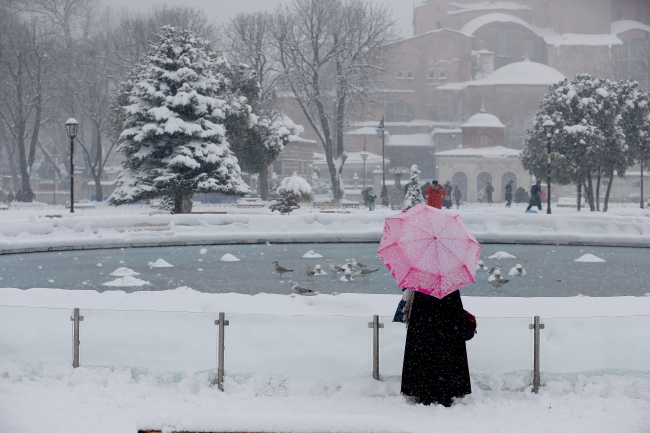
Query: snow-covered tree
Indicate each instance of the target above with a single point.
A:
(413, 192)
(174, 139)
(292, 190)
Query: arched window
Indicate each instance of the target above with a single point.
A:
(638, 15)
(460, 179)
(618, 14)
(482, 44)
(399, 111)
(481, 182)
(505, 43)
(505, 179)
(527, 48)
(484, 141)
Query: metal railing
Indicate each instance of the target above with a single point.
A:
(312, 345)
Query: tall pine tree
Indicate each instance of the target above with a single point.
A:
(174, 139)
(413, 192)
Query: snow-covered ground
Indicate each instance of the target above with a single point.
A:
(42, 228)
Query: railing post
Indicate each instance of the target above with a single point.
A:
(536, 326)
(222, 323)
(76, 318)
(375, 325)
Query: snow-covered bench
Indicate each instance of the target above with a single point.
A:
(81, 204)
(569, 202)
(4, 207)
(334, 203)
(251, 203)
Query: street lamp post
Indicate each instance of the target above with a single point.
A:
(381, 132)
(364, 156)
(71, 127)
(549, 129)
(55, 154)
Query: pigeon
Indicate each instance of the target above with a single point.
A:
(280, 269)
(310, 272)
(365, 273)
(495, 268)
(481, 266)
(517, 271)
(300, 289)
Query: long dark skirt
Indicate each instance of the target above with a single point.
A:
(435, 358)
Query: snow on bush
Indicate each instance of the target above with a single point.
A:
(295, 185)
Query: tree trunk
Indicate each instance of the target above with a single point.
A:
(641, 185)
(609, 189)
(598, 190)
(182, 203)
(579, 193)
(25, 194)
(589, 188)
(98, 186)
(263, 182)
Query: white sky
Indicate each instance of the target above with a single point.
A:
(222, 10)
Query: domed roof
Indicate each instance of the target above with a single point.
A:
(522, 73)
(483, 119)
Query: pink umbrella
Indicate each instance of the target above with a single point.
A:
(429, 250)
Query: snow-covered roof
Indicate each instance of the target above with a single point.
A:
(430, 32)
(482, 152)
(483, 120)
(297, 139)
(365, 130)
(550, 37)
(524, 73)
(623, 26)
(446, 131)
(486, 6)
(410, 140)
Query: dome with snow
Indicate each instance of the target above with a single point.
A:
(524, 73)
(483, 119)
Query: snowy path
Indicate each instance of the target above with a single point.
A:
(31, 230)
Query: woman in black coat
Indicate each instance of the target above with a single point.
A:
(435, 366)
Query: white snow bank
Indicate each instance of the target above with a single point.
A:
(127, 281)
(229, 258)
(501, 255)
(203, 251)
(311, 255)
(160, 263)
(589, 258)
(62, 399)
(124, 272)
(345, 304)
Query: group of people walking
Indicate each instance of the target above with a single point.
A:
(441, 195)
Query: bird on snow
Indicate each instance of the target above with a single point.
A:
(517, 271)
(496, 280)
(300, 289)
(281, 269)
(495, 268)
(481, 266)
(333, 268)
(357, 264)
(319, 271)
(347, 277)
(310, 272)
(365, 273)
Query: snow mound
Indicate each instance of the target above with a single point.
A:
(229, 258)
(501, 255)
(127, 281)
(294, 184)
(160, 263)
(513, 272)
(589, 258)
(203, 251)
(311, 255)
(124, 272)
(99, 265)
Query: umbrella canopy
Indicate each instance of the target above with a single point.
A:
(429, 250)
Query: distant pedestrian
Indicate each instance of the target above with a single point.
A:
(520, 195)
(10, 197)
(435, 194)
(446, 201)
(457, 196)
(480, 196)
(535, 199)
(488, 192)
(370, 199)
(509, 187)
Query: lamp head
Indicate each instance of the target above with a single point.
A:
(71, 126)
(549, 128)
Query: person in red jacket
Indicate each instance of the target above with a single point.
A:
(435, 193)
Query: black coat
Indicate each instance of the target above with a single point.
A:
(435, 366)
(508, 192)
